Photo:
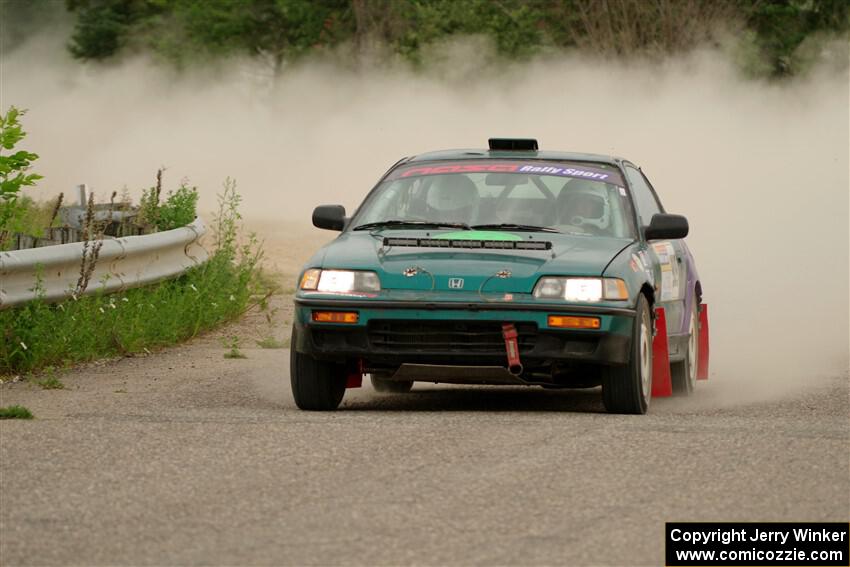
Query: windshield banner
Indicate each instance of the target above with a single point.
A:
(579, 171)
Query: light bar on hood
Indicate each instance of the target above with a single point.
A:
(475, 244)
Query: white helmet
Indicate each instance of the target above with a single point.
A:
(586, 204)
(452, 197)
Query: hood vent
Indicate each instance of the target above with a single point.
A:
(474, 244)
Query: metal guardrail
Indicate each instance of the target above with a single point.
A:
(123, 263)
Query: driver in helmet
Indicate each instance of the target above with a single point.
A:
(452, 198)
(584, 206)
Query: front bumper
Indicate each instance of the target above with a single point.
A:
(391, 333)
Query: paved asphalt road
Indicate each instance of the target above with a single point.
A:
(186, 458)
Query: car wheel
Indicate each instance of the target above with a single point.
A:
(628, 388)
(684, 373)
(381, 383)
(317, 385)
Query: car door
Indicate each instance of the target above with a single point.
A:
(669, 266)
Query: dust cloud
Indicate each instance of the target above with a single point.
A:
(760, 169)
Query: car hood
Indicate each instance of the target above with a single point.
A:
(513, 270)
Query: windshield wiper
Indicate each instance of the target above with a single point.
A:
(512, 226)
(418, 223)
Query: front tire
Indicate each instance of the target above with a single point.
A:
(381, 384)
(317, 385)
(628, 388)
(684, 373)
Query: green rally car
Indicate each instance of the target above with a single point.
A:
(508, 266)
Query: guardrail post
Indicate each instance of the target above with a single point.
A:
(82, 191)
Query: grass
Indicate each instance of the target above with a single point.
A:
(233, 345)
(15, 412)
(51, 382)
(40, 334)
(271, 342)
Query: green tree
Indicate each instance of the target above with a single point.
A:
(182, 29)
(105, 27)
(278, 30)
(516, 28)
(283, 30)
(24, 18)
(13, 169)
(781, 26)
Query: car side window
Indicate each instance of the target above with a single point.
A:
(647, 204)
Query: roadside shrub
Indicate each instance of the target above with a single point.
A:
(33, 217)
(178, 209)
(15, 412)
(40, 334)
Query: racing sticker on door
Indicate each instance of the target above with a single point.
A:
(670, 280)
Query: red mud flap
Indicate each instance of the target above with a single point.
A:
(510, 335)
(702, 354)
(354, 381)
(355, 376)
(662, 383)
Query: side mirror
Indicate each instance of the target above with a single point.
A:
(666, 227)
(330, 217)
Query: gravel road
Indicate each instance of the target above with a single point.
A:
(184, 457)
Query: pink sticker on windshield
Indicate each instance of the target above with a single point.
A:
(534, 168)
(466, 168)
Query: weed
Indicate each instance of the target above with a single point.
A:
(149, 204)
(233, 345)
(178, 209)
(92, 243)
(51, 382)
(55, 212)
(15, 412)
(32, 217)
(269, 280)
(271, 342)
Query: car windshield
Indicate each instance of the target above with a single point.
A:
(571, 198)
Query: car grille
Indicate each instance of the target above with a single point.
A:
(467, 337)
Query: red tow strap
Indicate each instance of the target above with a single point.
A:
(510, 335)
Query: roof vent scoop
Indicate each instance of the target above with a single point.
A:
(513, 144)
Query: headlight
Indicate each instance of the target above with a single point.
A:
(581, 289)
(340, 281)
